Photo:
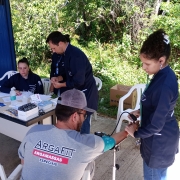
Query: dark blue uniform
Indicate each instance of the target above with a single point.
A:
(57, 68)
(33, 83)
(76, 71)
(159, 130)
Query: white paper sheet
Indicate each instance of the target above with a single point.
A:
(45, 97)
(4, 94)
(6, 99)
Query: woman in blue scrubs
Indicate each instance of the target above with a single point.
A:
(159, 131)
(25, 80)
(72, 69)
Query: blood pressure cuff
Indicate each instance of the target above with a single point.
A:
(109, 142)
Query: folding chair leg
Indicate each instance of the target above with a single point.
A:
(2, 173)
(89, 171)
(16, 173)
(86, 175)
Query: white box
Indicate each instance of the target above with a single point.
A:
(24, 115)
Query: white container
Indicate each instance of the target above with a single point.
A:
(25, 115)
(13, 96)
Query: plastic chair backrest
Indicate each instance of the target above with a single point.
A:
(98, 83)
(139, 88)
(122, 114)
(8, 74)
(99, 86)
(46, 84)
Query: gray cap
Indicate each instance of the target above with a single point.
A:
(74, 98)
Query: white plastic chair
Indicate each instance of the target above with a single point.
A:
(8, 74)
(13, 176)
(140, 88)
(99, 86)
(86, 175)
(46, 84)
(98, 83)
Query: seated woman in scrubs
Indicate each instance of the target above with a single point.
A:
(25, 80)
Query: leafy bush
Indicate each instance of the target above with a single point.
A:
(170, 22)
(36, 19)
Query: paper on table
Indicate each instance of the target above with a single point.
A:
(6, 99)
(4, 94)
(16, 105)
(19, 98)
(35, 98)
(26, 93)
(45, 97)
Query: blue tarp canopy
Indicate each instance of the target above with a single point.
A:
(7, 52)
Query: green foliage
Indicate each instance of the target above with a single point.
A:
(32, 22)
(170, 22)
(102, 20)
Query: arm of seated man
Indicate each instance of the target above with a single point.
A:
(111, 141)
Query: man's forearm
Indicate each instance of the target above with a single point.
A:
(120, 136)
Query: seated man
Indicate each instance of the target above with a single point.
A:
(60, 151)
(25, 80)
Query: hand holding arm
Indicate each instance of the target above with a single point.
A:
(54, 79)
(135, 113)
(131, 128)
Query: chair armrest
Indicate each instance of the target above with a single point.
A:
(98, 82)
(16, 173)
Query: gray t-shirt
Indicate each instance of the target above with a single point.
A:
(50, 153)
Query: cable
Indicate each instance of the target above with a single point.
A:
(134, 118)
